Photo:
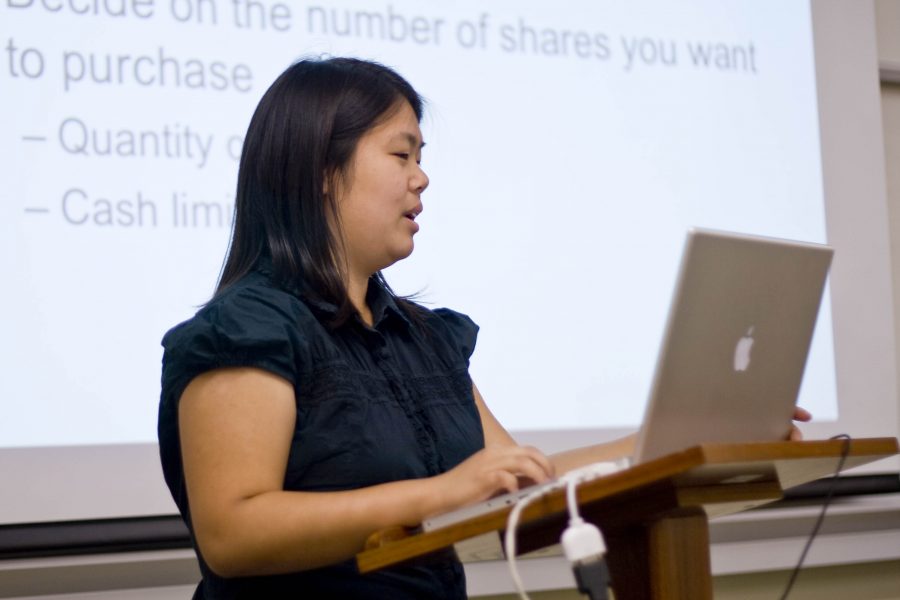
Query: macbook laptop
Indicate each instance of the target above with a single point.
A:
(733, 350)
(735, 345)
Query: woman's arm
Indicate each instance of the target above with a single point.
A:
(495, 434)
(236, 427)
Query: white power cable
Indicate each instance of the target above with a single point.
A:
(580, 540)
(509, 542)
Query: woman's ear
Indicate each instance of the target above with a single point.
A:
(331, 183)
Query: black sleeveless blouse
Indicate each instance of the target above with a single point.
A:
(374, 405)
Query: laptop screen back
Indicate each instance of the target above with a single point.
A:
(736, 342)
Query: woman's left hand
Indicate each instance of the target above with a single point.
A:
(800, 414)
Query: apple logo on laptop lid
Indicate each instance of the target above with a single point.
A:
(742, 351)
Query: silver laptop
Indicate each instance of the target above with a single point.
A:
(736, 342)
(733, 351)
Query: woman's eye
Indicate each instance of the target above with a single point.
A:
(403, 155)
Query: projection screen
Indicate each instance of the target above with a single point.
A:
(570, 146)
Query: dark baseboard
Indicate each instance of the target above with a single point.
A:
(33, 540)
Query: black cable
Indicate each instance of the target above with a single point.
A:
(815, 530)
(592, 577)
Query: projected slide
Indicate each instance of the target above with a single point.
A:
(570, 146)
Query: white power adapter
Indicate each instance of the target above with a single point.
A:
(582, 542)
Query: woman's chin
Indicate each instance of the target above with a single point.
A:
(396, 256)
(405, 251)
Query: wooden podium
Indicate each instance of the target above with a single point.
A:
(654, 516)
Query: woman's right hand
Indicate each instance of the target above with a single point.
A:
(491, 471)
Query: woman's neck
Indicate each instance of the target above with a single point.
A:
(357, 288)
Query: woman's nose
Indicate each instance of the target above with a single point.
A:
(420, 181)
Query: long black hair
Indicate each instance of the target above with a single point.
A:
(303, 134)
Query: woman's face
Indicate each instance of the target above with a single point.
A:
(378, 199)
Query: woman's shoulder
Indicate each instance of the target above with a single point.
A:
(453, 327)
(251, 307)
(251, 323)
(448, 318)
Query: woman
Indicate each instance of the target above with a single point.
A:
(306, 406)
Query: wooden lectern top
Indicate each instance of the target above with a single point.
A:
(643, 502)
